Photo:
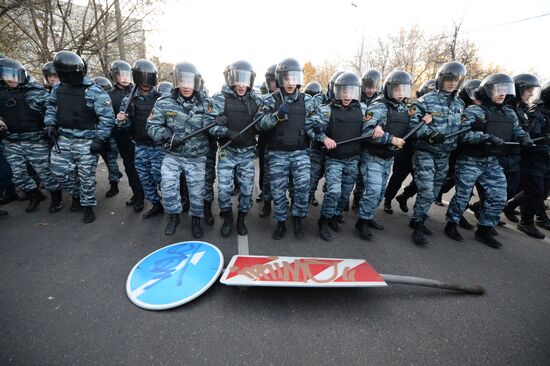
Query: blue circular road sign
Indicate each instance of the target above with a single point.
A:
(174, 275)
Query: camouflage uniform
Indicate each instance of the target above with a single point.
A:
(340, 171)
(239, 160)
(430, 161)
(483, 166)
(376, 167)
(174, 115)
(74, 143)
(148, 154)
(24, 145)
(111, 161)
(283, 163)
(316, 156)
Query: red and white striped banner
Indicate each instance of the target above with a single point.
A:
(249, 270)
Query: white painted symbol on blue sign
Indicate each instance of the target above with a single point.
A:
(174, 275)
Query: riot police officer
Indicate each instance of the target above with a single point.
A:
(82, 114)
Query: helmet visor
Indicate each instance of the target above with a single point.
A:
(241, 78)
(501, 89)
(292, 78)
(399, 91)
(12, 74)
(371, 83)
(124, 76)
(347, 92)
(529, 93)
(186, 80)
(472, 93)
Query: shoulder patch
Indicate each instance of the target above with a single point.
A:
(435, 114)
(171, 114)
(209, 108)
(367, 117)
(411, 111)
(108, 102)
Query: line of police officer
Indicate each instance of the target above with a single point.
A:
(165, 145)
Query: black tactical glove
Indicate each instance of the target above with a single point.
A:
(478, 125)
(494, 140)
(435, 137)
(526, 141)
(282, 112)
(221, 120)
(50, 133)
(232, 134)
(97, 146)
(175, 141)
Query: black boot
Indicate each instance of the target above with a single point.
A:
(241, 227)
(298, 227)
(9, 194)
(465, 224)
(75, 205)
(452, 231)
(324, 232)
(387, 207)
(113, 191)
(339, 219)
(509, 211)
(485, 235)
(34, 200)
(57, 202)
(138, 198)
(89, 215)
(279, 231)
(157, 209)
(196, 227)
(363, 229)
(425, 229)
(314, 202)
(402, 200)
(173, 222)
(208, 218)
(543, 223)
(476, 209)
(266, 209)
(418, 235)
(334, 224)
(530, 230)
(3, 213)
(373, 224)
(227, 222)
(346, 207)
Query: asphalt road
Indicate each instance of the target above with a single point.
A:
(63, 300)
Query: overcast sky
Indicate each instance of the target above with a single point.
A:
(212, 34)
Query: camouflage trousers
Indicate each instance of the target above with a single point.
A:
(240, 166)
(210, 175)
(340, 176)
(317, 157)
(148, 161)
(429, 172)
(491, 177)
(75, 159)
(111, 161)
(282, 165)
(266, 188)
(37, 154)
(359, 183)
(172, 167)
(375, 171)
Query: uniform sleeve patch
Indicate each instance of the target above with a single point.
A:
(411, 111)
(368, 116)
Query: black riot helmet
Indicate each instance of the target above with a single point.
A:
(11, 70)
(496, 84)
(450, 71)
(544, 94)
(186, 75)
(144, 72)
(70, 67)
(313, 88)
(104, 83)
(425, 88)
(468, 91)
(270, 74)
(330, 86)
(263, 88)
(241, 73)
(48, 70)
(121, 70)
(397, 84)
(165, 87)
(372, 80)
(290, 70)
(526, 82)
(347, 86)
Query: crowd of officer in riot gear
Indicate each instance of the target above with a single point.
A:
(365, 135)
